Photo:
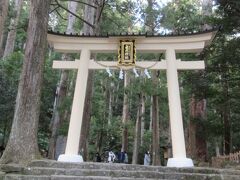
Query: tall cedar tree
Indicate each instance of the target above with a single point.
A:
(61, 92)
(26, 117)
(150, 22)
(3, 15)
(92, 16)
(9, 48)
(125, 114)
(197, 146)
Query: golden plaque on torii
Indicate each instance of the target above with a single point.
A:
(127, 53)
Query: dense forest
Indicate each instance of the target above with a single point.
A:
(129, 114)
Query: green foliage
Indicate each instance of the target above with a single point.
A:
(182, 15)
(223, 72)
(117, 17)
(47, 98)
(229, 15)
(10, 69)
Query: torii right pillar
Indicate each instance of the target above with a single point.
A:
(177, 134)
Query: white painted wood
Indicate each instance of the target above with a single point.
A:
(161, 65)
(139, 39)
(70, 158)
(190, 43)
(190, 65)
(175, 111)
(66, 64)
(113, 47)
(78, 104)
(180, 162)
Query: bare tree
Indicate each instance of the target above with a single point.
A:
(26, 116)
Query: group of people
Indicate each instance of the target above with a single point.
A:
(121, 157)
(111, 157)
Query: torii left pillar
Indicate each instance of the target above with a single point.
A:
(71, 152)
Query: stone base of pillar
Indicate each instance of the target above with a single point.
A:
(70, 158)
(180, 162)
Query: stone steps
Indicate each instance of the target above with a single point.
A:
(120, 173)
(25, 177)
(56, 177)
(98, 173)
(63, 177)
(129, 167)
(53, 170)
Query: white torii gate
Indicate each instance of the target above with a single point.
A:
(170, 45)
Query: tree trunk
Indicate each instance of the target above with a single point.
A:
(201, 105)
(197, 145)
(110, 100)
(93, 17)
(207, 11)
(150, 27)
(201, 141)
(226, 119)
(142, 117)
(151, 113)
(217, 149)
(61, 92)
(192, 130)
(197, 142)
(26, 116)
(125, 115)
(72, 6)
(57, 118)
(9, 48)
(155, 132)
(137, 136)
(3, 15)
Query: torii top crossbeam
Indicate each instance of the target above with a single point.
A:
(168, 44)
(193, 42)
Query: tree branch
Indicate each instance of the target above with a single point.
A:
(82, 3)
(114, 22)
(117, 8)
(61, 15)
(53, 9)
(74, 14)
(103, 4)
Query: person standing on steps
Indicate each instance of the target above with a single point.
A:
(122, 157)
(125, 157)
(147, 158)
(98, 158)
(111, 157)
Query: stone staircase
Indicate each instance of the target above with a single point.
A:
(53, 170)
